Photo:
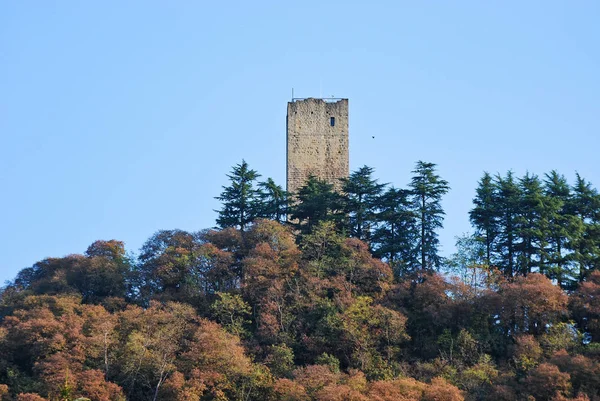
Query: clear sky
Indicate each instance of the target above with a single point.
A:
(118, 119)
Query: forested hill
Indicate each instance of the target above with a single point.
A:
(348, 301)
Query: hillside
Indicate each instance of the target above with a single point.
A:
(351, 302)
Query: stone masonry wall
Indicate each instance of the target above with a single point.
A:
(313, 145)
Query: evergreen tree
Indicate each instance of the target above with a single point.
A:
(239, 199)
(531, 224)
(273, 201)
(484, 216)
(564, 229)
(316, 201)
(586, 206)
(507, 205)
(427, 189)
(394, 236)
(361, 193)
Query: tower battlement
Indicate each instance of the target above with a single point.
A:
(317, 141)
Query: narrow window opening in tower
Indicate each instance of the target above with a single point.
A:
(332, 121)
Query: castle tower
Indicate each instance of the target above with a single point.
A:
(317, 141)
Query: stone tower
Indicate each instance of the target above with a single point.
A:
(317, 141)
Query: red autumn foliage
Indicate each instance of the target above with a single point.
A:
(530, 303)
(547, 381)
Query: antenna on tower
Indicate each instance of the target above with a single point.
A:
(292, 94)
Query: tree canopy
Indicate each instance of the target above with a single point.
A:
(349, 300)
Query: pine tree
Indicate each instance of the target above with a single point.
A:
(394, 236)
(361, 192)
(427, 189)
(484, 216)
(585, 206)
(531, 224)
(273, 201)
(564, 229)
(507, 205)
(316, 201)
(239, 199)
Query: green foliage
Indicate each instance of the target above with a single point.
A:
(469, 262)
(239, 198)
(313, 312)
(361, 194)
(316, 202)
(561, 336)
(395, 234)
(461, 350)
(508, 200)
(65, 392)
(484, 215)
(564, 230)
(169, 262)
(272, 201)
(232, 312)
(323, 248)
(280, 360)
(532, 226)
(585, 206)
(373, 334)
(479, 378)
(427, 189)
(330, 361)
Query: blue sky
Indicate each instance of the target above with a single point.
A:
(118, 119)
